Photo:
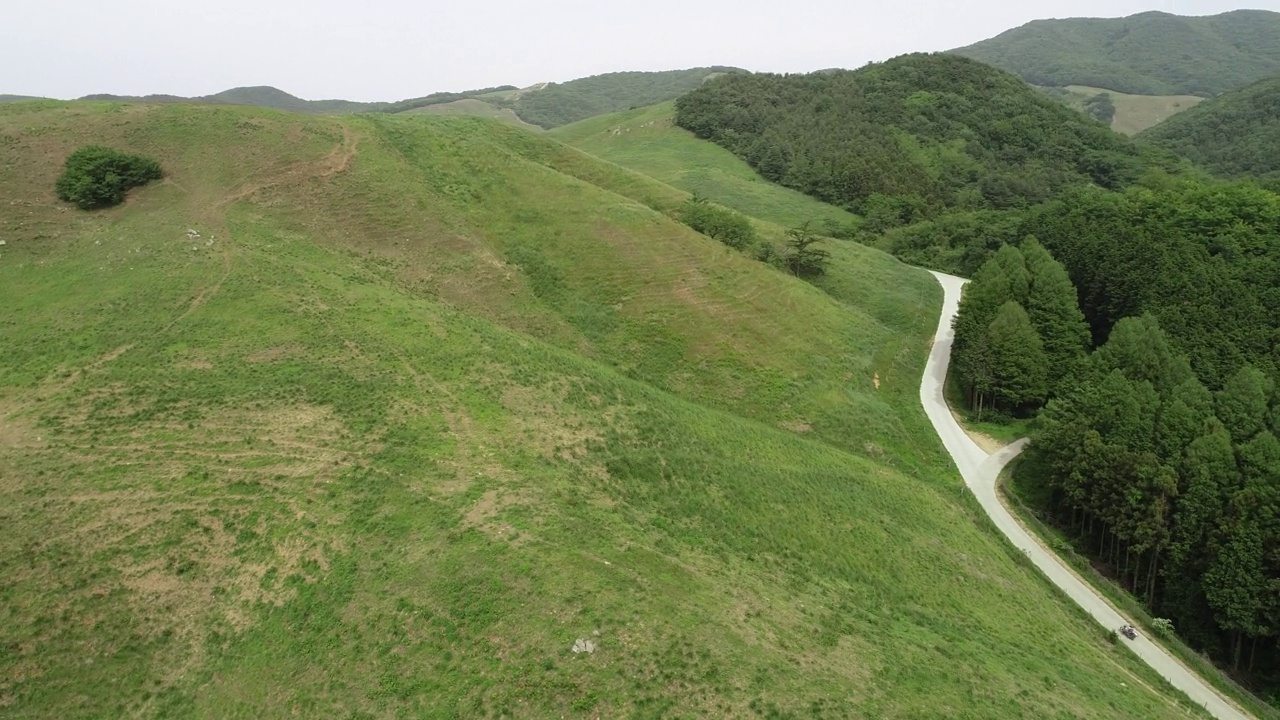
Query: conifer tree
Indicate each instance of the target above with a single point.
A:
(1019, 368)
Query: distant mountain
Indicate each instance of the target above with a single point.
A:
(17, 98)
(1235, 135)
(259, 96)
(1152, 53)
(546, 105)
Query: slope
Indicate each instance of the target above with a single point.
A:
(1235, 135)
(1152, 53)
(648, 141)
(475, 107)
(1130, 114)
(380, 416)
(556, 104)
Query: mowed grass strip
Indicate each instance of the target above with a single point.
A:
(265, 451)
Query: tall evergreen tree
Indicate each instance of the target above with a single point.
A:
(1019, 368)
(1206, 478)
(1242, 403)
(1002, 278)
(1138, 348)
(1055, 313)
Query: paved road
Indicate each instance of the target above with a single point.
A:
(980, 471)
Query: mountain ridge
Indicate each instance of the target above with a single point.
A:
(1150, 53)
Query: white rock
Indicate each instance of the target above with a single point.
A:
(582, 645)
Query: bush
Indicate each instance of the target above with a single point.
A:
(718, 222)
(96, 176)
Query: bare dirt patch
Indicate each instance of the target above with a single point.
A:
(16, 431)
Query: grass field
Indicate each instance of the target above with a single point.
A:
(1135, 113)
(476, 108)
(376, 416)
(647, 141)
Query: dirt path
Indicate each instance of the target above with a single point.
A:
(336, 161)
(980, 470)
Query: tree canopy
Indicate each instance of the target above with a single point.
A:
(906, 139)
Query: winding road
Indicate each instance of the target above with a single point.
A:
(980, 471)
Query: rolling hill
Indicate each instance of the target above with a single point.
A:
(383, 415)
(474, 107)
(647, 140)
(260, 96)
(545, 105)
(1235, 135)
(556, 104)
(1152, 53)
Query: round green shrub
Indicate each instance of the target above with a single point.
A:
(96, 176)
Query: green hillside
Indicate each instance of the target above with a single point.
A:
(380, 416)
(475, 107)
(557, 104)
(910, 137)
(1235, 135)
(1152, 53)
(648, 141)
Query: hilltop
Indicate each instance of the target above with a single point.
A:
(383, 415)
(1152, 53)
(1235, 135)
(557, 104)
(648, 140)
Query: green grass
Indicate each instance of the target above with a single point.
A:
(647, 141)
(428, 399)
(1028, 501)
(1135, 113)
(475, 107)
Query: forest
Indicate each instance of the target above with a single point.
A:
(1144, 54)
(1235, 135)
(910, 138)
(1122, 297)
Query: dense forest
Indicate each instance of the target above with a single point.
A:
(1157, 453)
(1235, 135)
(1152, 53)
(910, 138)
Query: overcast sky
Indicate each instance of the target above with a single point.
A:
(395, 49)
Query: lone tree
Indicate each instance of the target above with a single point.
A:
(96, 176)
(802, 258)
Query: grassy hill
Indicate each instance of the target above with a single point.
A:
(1152, 53)
(1235, 135)
(648, 141)
(378, 416)
(475, 107)
(556, 104)
(1131, 114)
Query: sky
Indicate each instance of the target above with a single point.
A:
(395, 49)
